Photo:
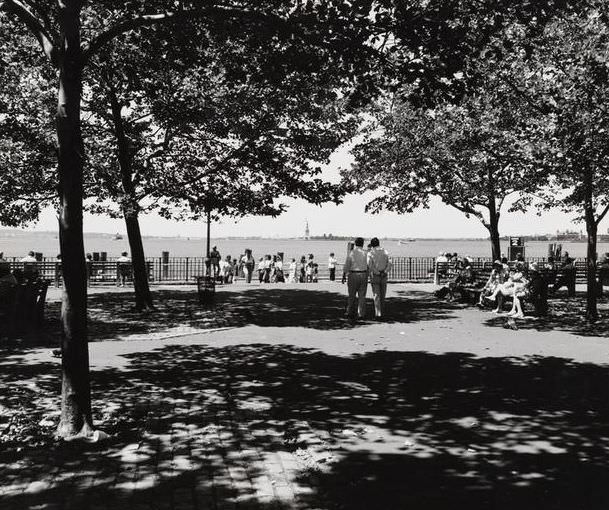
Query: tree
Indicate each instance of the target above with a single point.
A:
(58, 28)
(204, 120)
(472, 156)
(563, 75)
(313, 34)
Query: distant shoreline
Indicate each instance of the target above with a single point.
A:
(528, 238)
(4, 231)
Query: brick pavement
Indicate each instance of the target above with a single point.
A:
(425, 411)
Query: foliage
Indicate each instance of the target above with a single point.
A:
(566, 79)
(472, 155)
(27, 155)
(211, 127)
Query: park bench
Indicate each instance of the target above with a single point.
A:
(206, 289)
(470, 292)
(22, 309)
(7, 311)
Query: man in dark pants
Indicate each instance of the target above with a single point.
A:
(214, 257)
(567, 275)
(538, 290)
(332, 267)
(355, 273)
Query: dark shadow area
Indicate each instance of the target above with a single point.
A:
(565, 314)
(111, 314)
(249, 426)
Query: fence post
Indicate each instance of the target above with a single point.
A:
(187, 269)
(409, 268)
(165, 263)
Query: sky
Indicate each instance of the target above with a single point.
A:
(348, 219)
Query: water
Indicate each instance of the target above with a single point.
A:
(18, 243)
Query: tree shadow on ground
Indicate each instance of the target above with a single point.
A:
(111, 315)
(260, 426)
(565, 314)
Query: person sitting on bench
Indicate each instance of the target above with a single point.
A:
(7, 281)
(465, 276)
(603, 273)
(567, 275)
(538, 290)
(496, 278)
(514, 284)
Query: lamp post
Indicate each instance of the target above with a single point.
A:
(208, 251)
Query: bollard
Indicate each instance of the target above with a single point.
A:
(165, 264)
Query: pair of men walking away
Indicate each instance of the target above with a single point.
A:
(361, 266)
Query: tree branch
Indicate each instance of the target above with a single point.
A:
(602, 215)
(127, 25)
(543, 108)
(36, 27)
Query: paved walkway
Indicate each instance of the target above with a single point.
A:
(283, 404)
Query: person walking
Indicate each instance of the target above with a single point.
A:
(355, 271)
(378, 267)
(332, 267)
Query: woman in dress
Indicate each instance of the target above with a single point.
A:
(496, 278)
(516, 283)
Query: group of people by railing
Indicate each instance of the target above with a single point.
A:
(269, 268)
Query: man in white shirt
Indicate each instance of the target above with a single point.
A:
(30, 269)
(123, 266)
(29, 257)
(356, 272)
(332, 267)
(378, 266)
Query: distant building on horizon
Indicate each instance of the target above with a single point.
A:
(307, 234)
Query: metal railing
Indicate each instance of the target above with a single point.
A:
(184, 270)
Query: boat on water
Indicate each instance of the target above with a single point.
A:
(406, 241)
(118, 237)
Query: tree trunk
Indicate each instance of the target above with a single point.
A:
(493, 215)
(591, 287)
(493, 228)
(143, 297)
(76, 386)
